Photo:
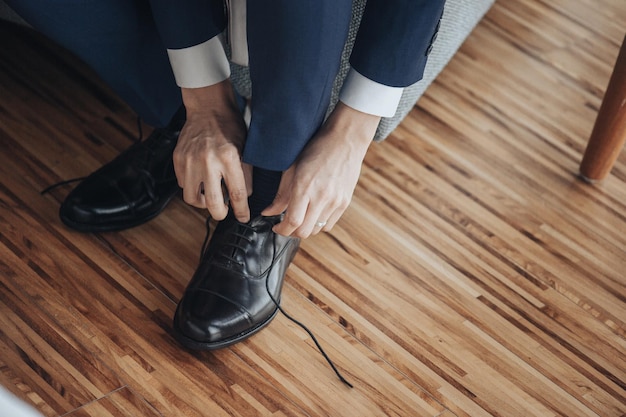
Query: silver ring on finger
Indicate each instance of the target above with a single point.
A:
(320, 224)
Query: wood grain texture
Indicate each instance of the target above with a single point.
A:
(473, 275)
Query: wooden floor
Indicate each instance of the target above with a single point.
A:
(473, 275)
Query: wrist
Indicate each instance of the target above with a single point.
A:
(210, 99)
(355, 126)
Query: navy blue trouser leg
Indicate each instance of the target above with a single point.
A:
(294, 54)
(294, 46)
(119, 40)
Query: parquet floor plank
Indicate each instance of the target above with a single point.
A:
(473, 275)
(120, 403)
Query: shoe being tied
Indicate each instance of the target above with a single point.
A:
(228, 298)
(130, 190)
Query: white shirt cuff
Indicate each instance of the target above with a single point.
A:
(237, 31)
(368, 96)
(200, 65)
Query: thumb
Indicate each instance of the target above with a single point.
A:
(278, 206)
(281, 201)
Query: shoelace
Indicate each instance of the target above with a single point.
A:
(65, 182)
(229, 255)
(276, 303)
(60, 183)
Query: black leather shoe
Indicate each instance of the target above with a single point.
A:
(227, 299)
(130, 190)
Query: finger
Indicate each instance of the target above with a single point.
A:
(329, 217)
(179, 171)
(281, 201)
(191, 183)
(192, 192)
(323, 223)
(238, 193)
(332, 220)
(294, 216)
(279, 205)
(214, 198)
(179, 167)
(314, 215)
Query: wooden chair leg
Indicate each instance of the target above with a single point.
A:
(609, 132)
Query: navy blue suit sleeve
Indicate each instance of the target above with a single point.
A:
(185, 23)
(394, 39)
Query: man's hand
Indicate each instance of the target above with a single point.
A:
(207, 159)
(316, 190)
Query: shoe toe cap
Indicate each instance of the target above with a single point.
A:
(93, 200)
(207, 318)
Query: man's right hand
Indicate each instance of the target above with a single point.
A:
(207, 159)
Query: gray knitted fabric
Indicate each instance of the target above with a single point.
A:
(459, 18)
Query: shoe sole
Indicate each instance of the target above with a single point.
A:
(112, 226)
(196, 345)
